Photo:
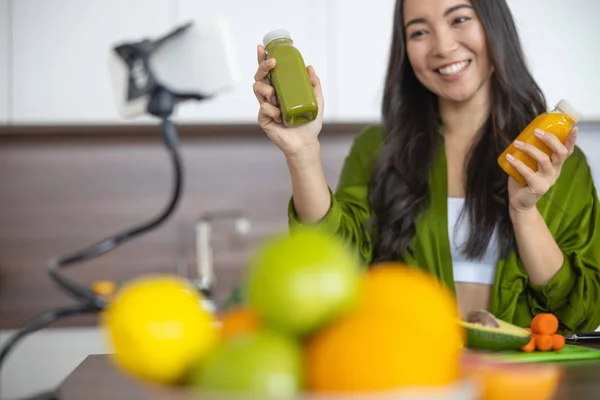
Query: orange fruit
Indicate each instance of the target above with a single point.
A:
(405, 322)
(386, 287)
(240, 319)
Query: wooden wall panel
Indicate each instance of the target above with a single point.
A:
(61, 190)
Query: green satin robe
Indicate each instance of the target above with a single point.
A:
(570, 209)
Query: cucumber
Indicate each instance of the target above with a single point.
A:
(486, 332)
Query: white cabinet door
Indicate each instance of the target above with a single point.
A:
(4, 62)
(560, 39)
(250, 21)
(359, 48)
(60, 55)
(561, 46)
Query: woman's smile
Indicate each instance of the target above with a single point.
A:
(454, 71)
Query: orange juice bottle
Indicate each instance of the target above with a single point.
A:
(558, 122)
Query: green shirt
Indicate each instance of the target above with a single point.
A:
(573, 294)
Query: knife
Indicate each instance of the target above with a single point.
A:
(584, 337)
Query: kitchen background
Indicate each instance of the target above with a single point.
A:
(72, 172)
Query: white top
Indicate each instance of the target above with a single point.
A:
(465, 270)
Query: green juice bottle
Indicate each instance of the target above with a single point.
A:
(295, 94)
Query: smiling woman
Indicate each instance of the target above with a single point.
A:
(446, 45)
(450, 71)
(425, 186)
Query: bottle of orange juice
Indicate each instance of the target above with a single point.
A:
(558, 122)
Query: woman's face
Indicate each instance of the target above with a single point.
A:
(446, 47)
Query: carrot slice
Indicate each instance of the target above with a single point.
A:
(529, 347)
(544, 324)
(558, 341)
(543, 342)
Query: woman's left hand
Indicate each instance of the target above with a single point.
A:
(523, 198)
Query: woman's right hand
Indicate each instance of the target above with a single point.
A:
(295, 140)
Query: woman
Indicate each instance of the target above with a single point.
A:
(426, 188)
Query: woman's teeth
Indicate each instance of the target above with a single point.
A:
(454, 68)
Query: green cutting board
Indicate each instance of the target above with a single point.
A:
(568, 353)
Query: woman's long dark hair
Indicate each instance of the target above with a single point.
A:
(399, 191)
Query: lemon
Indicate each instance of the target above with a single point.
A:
(157, 328)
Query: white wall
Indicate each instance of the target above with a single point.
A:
(306, 25)
(560, 39)
(60, 54)
(60, 49)
(588, 140)
(4, 61)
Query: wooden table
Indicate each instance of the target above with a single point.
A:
(96, 379)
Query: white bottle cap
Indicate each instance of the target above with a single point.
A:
(276, 34)
(568, 108)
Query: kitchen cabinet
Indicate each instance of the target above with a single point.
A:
(359, 47)
(60, 55)
(250, 21)
(57, 70)
(560, 40)
(4, 61)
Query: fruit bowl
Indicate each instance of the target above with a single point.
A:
(311, 326)
(461, 390)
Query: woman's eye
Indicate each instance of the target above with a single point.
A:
(417, 34)
(460, 20)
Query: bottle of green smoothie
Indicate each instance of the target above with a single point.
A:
(295, 94)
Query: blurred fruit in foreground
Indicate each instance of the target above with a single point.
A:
(300, 281)
(237, 320)
(506, 381)
(263, 363)
(105, 288)
(403, 332)
(157, 328)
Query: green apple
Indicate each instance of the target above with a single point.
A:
(300, 281)
(263, 363)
